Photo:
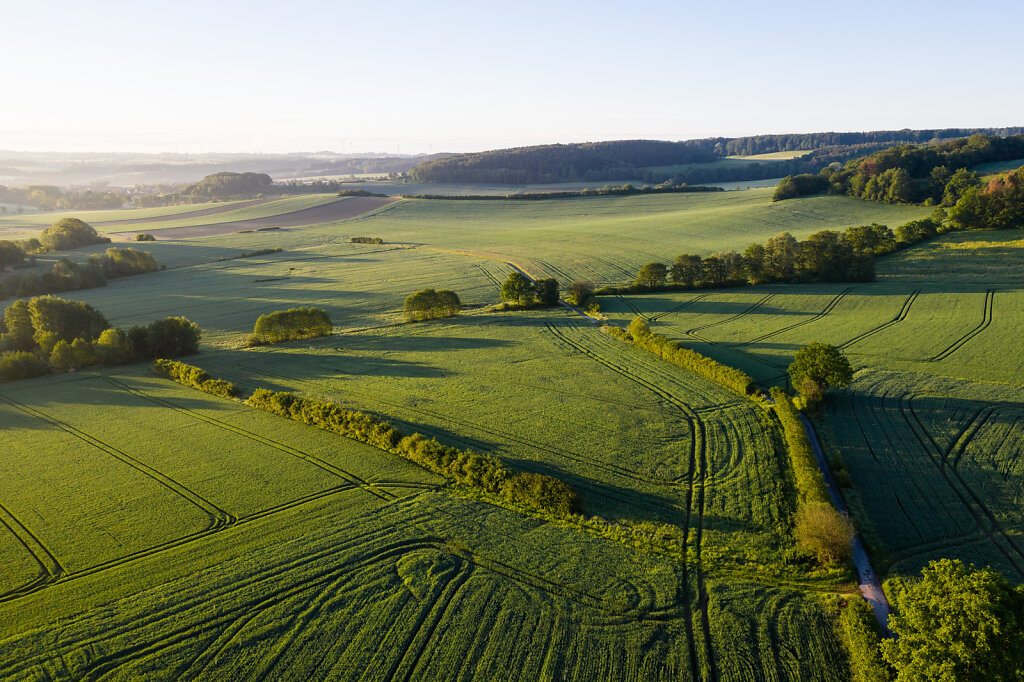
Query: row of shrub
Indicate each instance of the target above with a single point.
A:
(825, 256)
(639, 334)
(366, 240)
(66, 275)
(291, 324)
(810, 484)
(476, 471)
(196, 377)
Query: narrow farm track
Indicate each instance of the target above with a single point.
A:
(825, 311)
(695, 495)
(902, 315)
(986, 320)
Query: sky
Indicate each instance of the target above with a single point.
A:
(420, 77)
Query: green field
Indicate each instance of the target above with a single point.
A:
(153, 530)
(931, 430)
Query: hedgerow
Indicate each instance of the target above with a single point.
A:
(476, 471)
(639, 334)
(189, 375)
(810, 484)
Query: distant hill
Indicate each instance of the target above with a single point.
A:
(691, 161)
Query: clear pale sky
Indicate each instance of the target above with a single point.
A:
(259, 76)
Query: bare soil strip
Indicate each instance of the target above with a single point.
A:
(213, 210)
(325, 213)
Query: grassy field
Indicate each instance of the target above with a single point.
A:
(931, 430)
(44, 219)
(153, 530)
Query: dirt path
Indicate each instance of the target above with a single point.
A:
(868, 581)
(341, 209)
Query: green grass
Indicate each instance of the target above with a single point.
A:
(46, 219)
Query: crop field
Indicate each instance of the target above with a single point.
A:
(932, 430)
(34, 221)
(148, 529)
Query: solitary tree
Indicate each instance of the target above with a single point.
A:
(818, 367)
(652, 275)
(958, 624)
(518, 288)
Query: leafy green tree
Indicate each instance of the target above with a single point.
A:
(169, 338)
(687, 269)
(83, 353)
(62, 358)
(547, 291)
(753, 263)
(10, 253)
(958, 624)
(652, 275)
(448, 303)
(958, 184)
(639, 328)
(70, 233)
(429, 304)
(818, 367)
(517, 288)
(16, 328)
(780, 255)
(823, 531)
(714, 271)
(55, 319)
(580, 292)
(112, 347)
(19, 364)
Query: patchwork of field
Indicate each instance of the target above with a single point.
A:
(174, 534)
(149, 530)
(931, 431)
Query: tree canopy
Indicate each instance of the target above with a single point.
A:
(429, 304)
(818, 367)
(958, 624)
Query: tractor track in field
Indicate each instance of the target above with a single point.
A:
(825, 311)
(219, 517)
(982, 515)
(489, 276)
(748, 311)
(615, 266)
(694, 490)
(900, 316)
(263, 440)
(51, 568)
(986, 320)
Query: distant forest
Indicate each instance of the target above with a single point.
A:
(647, 160)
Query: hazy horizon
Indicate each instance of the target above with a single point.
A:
(255, 78)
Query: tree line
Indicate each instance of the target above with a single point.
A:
(65, 234)
(935, 174)
(765, 144)
(481, 472)
(46, 333)
(825, 256)
(66, 275)
(291, 324)
(668, 187)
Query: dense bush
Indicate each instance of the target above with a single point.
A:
(167, 338)
(671, 351)
(1000, 205)
(294, 323)
(366, 240)
(822, 530)
(195, 377)
(860, 634)
(122, 262)
(810, 485)
(429, 305)
(470, 469)
(70, 233)
(66, 275)
(10, 253)
(20, 364)
(144, 237)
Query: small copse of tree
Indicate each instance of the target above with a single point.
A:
(70, 233)
(429, 304)
(67, 275)
(366, 240)
(520, 292)
(144, 237)
(291, 324)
